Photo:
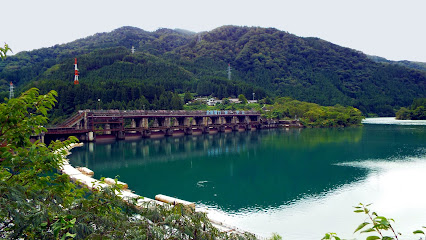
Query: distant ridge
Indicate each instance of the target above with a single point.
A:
(405, 63)
(183, 31)
(264, 61)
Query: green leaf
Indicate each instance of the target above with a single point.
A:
(68, 235)
(327, 236)
(419, 231)
(368, 230)
(361, 226)
(359, 211)
(372, 238)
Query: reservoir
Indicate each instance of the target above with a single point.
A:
(299, 183)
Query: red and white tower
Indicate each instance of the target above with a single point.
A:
(76, 73)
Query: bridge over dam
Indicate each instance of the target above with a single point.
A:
(107, 125)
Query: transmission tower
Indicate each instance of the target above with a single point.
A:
(133, 49)
(229, 71)
(76, 73)
(11, 94)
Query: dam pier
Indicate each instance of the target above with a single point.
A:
(107, 125)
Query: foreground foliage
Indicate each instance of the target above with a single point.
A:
(4, 50)
(38, 203)
(379, 226)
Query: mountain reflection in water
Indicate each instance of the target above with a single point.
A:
(267, 180)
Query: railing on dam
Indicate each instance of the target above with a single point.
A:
(90, 116)
(132, 113)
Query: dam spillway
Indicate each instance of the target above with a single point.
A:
(104, 125)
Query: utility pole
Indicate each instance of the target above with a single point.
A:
(229, 71)
(253, 96)
(11, 94)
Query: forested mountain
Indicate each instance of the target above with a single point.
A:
(405, 63)
(264, 61)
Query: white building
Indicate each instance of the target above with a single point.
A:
(213, 101)
(234, 100)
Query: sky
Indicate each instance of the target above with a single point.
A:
(393, 29)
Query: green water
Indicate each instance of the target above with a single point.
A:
(273, 180)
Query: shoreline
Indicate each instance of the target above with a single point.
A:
(82, 177)
(85, 180)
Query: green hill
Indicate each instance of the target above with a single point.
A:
(405, 63)
(265, 61)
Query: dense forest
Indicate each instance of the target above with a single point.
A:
(264, 61)
(417, 111)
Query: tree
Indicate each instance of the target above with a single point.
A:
(417, 110)
(242, 99)
(419, 113)
(176, 102)
(225, 101)
(187, 97)
(403, 113)
(28, 206)
(268, 100)
(165, 101)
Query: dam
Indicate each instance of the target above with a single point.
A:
(105, 125)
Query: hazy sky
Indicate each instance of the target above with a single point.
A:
(394, 29)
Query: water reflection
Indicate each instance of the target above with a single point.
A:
(238, 170)
(269, 180)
